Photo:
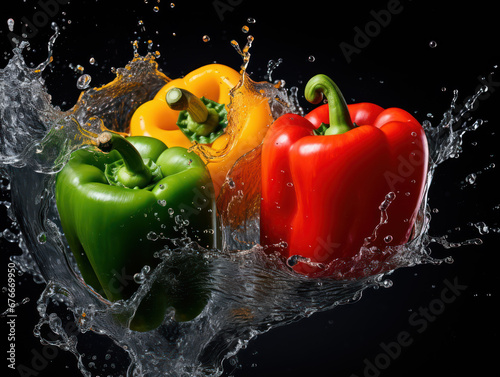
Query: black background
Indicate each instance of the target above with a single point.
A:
(396, 67)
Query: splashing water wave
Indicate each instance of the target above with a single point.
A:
(251, 292)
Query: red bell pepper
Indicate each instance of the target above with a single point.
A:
(341, 186)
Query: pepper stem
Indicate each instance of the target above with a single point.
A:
(133, 173)
(340, 119)
(203, 120)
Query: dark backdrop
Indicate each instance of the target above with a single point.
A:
(409, 54)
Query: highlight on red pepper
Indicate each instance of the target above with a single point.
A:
(117, 207)
(342, 186)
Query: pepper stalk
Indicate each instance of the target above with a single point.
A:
(131, 171)
(202, 120)
(321, 86)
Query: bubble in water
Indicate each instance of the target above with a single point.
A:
(245, 29)
(156, 9)
(206, 38)
(83, 81)
(251, 20)
(92, 61)
(432, 44)
(172, 5)
(388, 239)
(311, 58)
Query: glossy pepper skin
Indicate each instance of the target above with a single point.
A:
(155, 118)
(340, 179)
(116, 210)
(164, 117)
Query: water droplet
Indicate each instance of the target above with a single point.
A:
(387, 283)
(251, 20)
(135, 47)
(206, 38)
(245, 29)
(162, 202)
(152, 236)
(271, 66)
(156, 9)
(172, 5)
(139, 278)
(92, 61)
(311, 58)
(388, 239)
(471, 178)
(42, 238)
(482, 227)
(10, 24)
(289, 184)
(83, 81)
(9, 235)
(293, 260)
(171, 211)
(432, 44)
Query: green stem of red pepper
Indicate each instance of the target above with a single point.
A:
(340, 120)
(133, 173)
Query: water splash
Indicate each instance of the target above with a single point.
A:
(250, 291)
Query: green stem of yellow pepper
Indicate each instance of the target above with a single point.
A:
(202, 120)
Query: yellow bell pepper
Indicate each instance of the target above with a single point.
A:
(193, 112)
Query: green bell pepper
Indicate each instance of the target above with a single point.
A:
(117, 210)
